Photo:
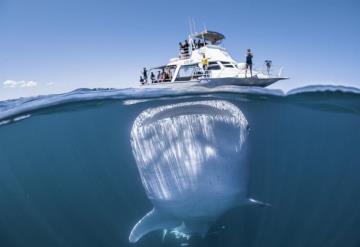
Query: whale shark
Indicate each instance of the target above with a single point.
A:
(192, 161)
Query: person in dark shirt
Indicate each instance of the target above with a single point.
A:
(181, 47)
(145, 75)
(249, 63)
(152, 77)
(186, 47)
(195, 44)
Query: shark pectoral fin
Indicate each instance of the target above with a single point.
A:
(152, 221)
(254, 202)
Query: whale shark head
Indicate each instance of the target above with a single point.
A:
(191, 160)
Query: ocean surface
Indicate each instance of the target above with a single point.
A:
(82, 168)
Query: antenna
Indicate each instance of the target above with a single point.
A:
(190, 26)
(205, 29)
(194, 27)
(280, 71)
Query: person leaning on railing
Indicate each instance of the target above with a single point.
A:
(268, 64)
(152, 77)
(181, 48)
(205, 62)
(186, 48)
(144, 73)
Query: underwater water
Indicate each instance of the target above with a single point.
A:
(83, 168)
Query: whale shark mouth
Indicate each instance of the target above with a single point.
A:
(172, 144)
(189, 160)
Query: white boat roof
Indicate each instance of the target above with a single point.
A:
(211, 36)
(162, 66)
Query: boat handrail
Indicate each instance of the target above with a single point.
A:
(274, 71)
(200, 73)
(184, 56)
(207, 74)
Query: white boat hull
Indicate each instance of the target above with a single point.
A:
(216, 82)
(236, 81)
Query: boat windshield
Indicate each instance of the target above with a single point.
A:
(186, 72)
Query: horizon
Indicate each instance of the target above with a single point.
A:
(61, 46)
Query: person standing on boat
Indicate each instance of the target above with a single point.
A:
(152, 77)
(268, 66)
(182, 51)
(186, 47)
(162, 76)
(158, 76)
(145, 75)
(205, 62)
(249, 63)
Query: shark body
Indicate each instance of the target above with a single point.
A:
(192, 160)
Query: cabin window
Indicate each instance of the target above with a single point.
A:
(228, 65)
(186, 72)
(214, 66)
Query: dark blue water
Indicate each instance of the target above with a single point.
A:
(68, 176)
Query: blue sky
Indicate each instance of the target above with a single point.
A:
(50, 46)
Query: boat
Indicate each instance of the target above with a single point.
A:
(187, 68)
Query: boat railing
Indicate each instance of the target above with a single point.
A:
(184, 56)
(200, 73)
(273, 71)
(156, 81)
